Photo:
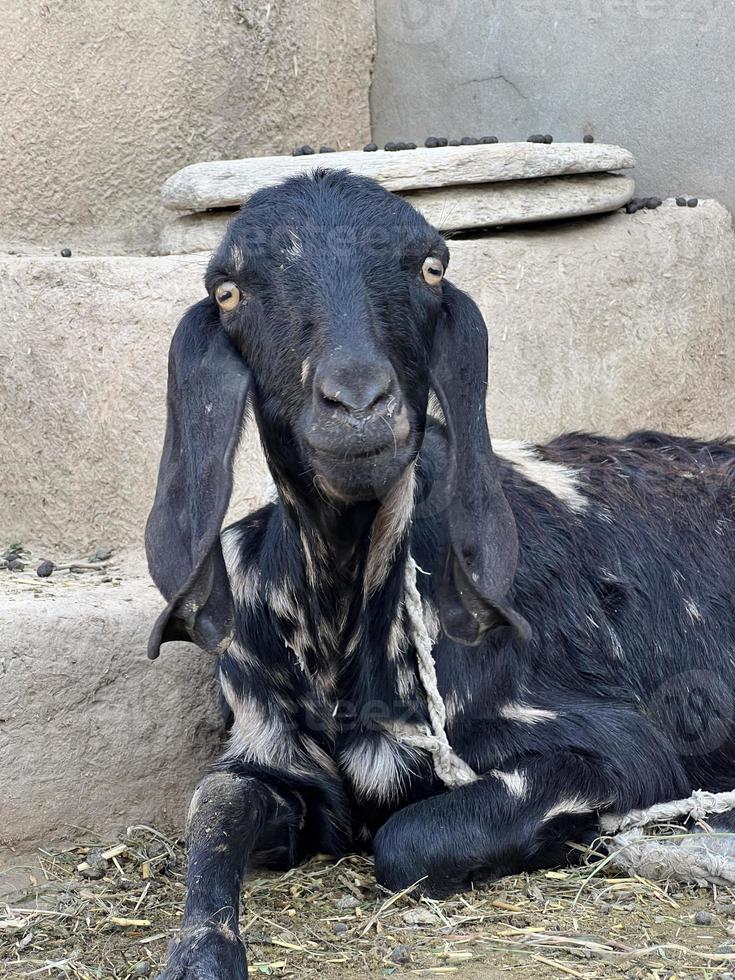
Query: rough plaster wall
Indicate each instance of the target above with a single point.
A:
(101, 101)
(608, 323)
(82, 395)
(655, 76)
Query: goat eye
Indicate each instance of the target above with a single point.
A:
(228, 296)
(432, 271)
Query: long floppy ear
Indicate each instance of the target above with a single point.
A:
(208, 385)
(483, 544)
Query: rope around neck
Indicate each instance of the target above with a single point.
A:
(448, 766)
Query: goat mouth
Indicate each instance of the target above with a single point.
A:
(360, 472)
(354, 456)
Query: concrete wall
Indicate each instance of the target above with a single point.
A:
(608, 323)
(655, 76)
(92, 734)
(101, 100)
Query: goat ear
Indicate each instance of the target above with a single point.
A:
(208, 385)
(483, 544)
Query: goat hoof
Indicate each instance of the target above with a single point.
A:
(206, 953)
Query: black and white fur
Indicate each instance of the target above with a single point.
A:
(580, 593)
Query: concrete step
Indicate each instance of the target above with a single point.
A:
(607, 323)
(92, 734)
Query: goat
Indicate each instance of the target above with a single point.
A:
(575, 599)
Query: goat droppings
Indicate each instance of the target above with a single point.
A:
(370, 148)
(66, 253)
(681, 202)
(692, 202)
(45, 569)
(588, 138)
(327, 149)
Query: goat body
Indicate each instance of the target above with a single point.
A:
(619, 553)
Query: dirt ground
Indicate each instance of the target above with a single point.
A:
(107, 909)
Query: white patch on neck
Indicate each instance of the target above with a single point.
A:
(561, 481)
(389, 528)
(244, 582)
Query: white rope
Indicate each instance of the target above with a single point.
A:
(693, 857)
(697, 806)
(448, 766)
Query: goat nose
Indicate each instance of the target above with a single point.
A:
(359, 391)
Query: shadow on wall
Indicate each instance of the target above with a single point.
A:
(654, 76)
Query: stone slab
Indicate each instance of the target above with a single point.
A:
(92, 734)
(452, 208)
(227, 183)
(520, 202)
(608, 323)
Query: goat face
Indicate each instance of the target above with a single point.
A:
(327, 301)
(330, 287)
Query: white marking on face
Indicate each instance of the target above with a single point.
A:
(569, 805)
(562, 481)
(295, 249)
(515, 711)
(237, 259)
(305, 367)
(389, 527)
(515, 782)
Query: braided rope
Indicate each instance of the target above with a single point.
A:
(697, 806)
(448, 766)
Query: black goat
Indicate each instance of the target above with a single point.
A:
(578, 595)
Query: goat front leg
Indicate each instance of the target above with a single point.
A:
(230, 818)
